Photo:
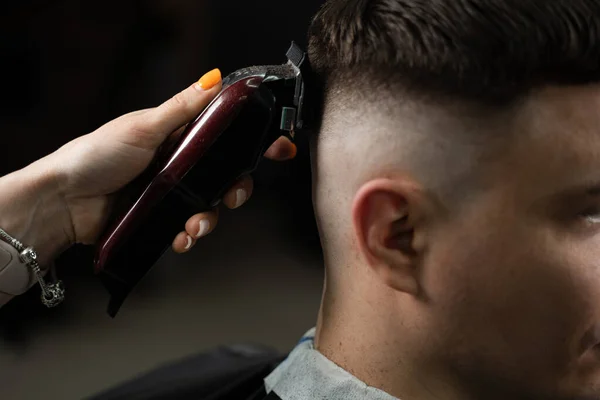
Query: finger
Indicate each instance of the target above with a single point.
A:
(201, 224)
(180, 109)
(239, 193)
(136, 113)
(183, 243)
(283, 149)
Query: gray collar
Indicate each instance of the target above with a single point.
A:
(308, 374)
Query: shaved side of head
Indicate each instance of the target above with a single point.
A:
(438, 144)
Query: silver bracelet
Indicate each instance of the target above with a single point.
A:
(52, 293)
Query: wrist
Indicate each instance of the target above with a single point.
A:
(33, 210)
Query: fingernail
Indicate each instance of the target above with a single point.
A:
(189, 242)
(293, 151)
(210, 79)
(204, 227)
(240, 197)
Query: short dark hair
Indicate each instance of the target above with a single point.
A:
(489, 51)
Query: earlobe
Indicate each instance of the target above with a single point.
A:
(382, 225)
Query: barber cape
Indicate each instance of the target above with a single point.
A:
(308, 374)
(238, 373)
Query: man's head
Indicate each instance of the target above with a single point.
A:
(457, 189)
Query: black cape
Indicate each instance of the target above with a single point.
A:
(226, 373)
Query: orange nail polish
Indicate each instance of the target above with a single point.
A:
(294, 151)
(210, 79)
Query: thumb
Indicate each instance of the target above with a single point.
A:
(183, 107)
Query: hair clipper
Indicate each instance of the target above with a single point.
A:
(226, 140)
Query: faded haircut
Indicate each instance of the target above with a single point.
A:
(485, 51)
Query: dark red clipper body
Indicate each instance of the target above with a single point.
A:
(255, 107)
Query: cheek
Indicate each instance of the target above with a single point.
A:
(509, 300)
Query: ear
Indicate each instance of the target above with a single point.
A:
(385, 215)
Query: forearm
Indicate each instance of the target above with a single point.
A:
(33, 211)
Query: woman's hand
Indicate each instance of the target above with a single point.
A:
(93, 168)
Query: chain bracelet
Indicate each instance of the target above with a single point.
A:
(52, 293)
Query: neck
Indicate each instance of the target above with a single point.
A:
(361, 330)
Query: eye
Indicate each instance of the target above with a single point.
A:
(591, 215)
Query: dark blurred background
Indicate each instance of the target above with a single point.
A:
(70, 66)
